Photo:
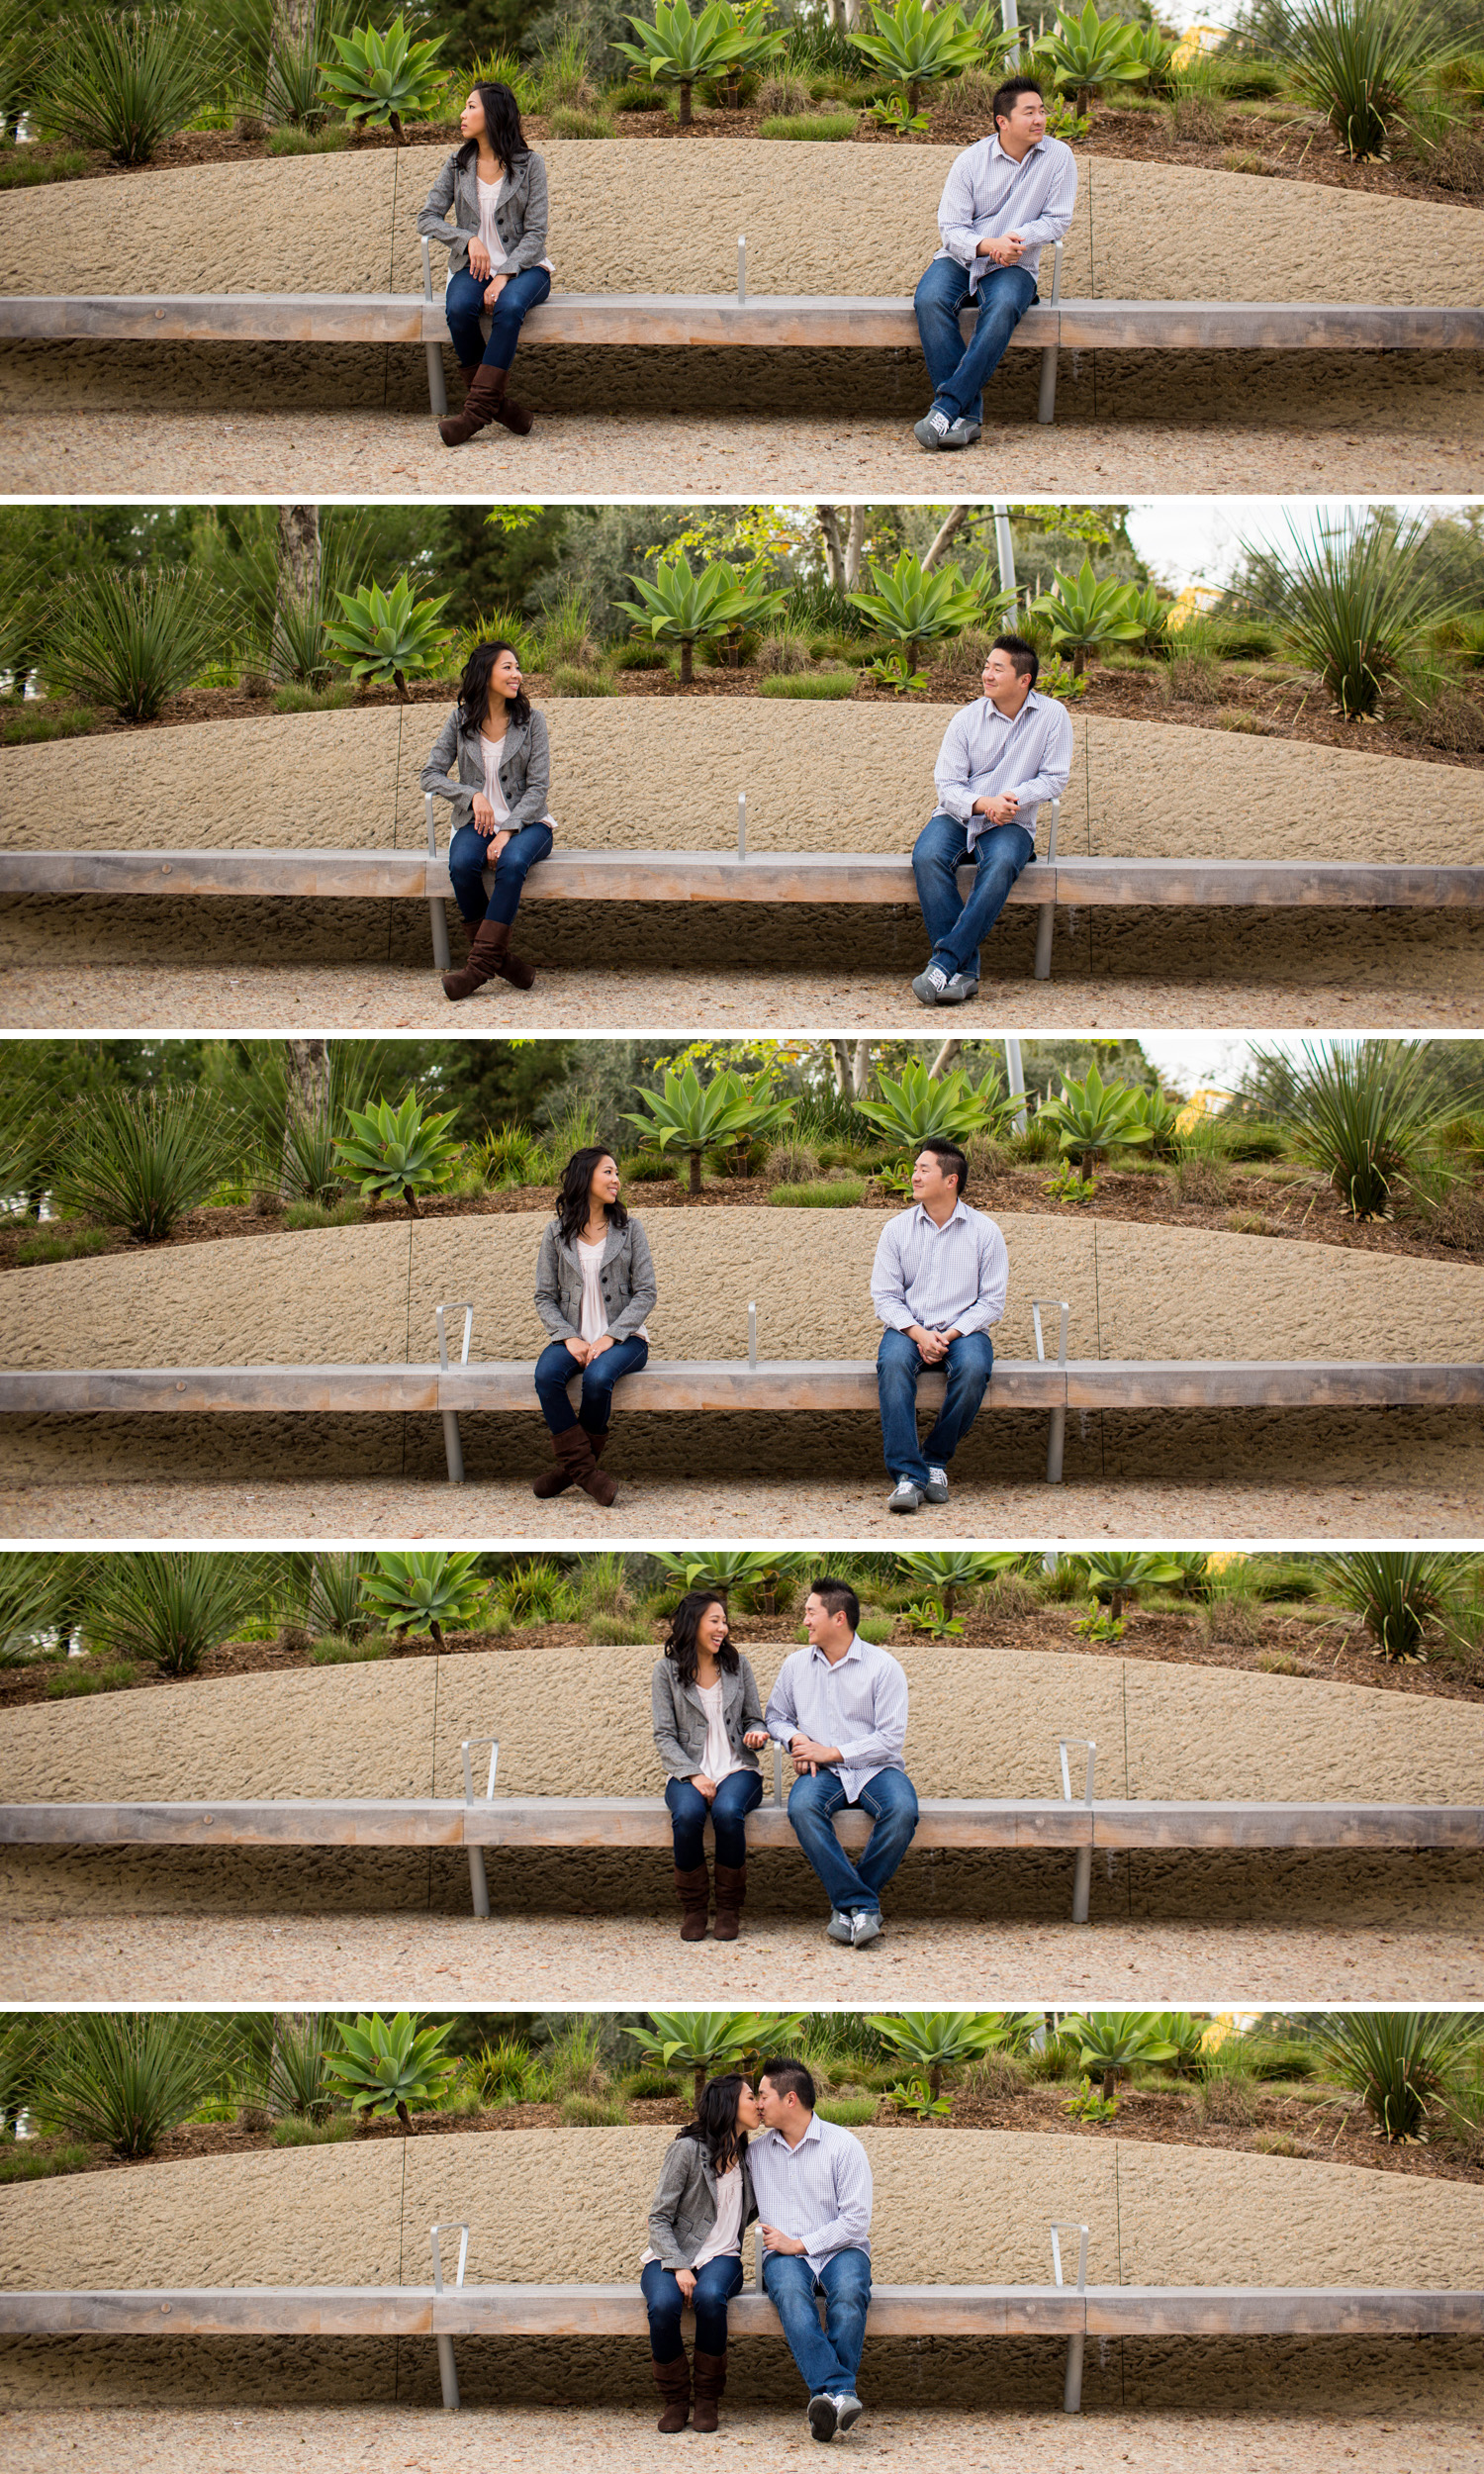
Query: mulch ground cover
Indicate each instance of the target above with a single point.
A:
(1334, 1649)
(1256, 1203)
(1262, 700)
(1282, 143)
(1334, 2131)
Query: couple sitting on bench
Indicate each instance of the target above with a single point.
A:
(1000, 759)
(839, 1708)
(765, 2155)
(937, 1284)
(1004, 200)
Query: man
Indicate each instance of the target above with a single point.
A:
(813, 2184)
(938, 1283)
(1002, 202)
(1000, 758)
(840, 1707)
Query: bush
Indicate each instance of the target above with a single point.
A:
(383, 74)
(810, 128)
(1365, 1112)
(534, 1594)
(127, 639)
(790, 1164)
(25, 172)
(851, 2111)
(295, 2131)
(1353, 601)
(1398, 1596)
(639, 654)
(784, 653)
(1400, 2062)
(567, 121)
(343, 1215)
(1361, 62)
(399, 1153)
(122, 80)
(174, 1607)
(333, 1651)
(840, 1192)
(813, 686)
(620, 1631)
(424, 1593)
(568, 681)
(138, 1160)
(593, 2113)
(125, 2080)
(331, 141)
(82, 1675)
(51, 1245)
(637, 96)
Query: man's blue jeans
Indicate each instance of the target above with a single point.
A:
(464, 306)
(1004, 295)
(740, 1790)
(715, 2285)
(468, 857)
(828, 2359)
(555, 1368)
(892, 1802)
(900, 1366)
(959, 928)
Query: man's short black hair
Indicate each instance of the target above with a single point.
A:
(791, 2078)
(949, 1158)
(1025, 656)
(1005, 96)
(838, 1597)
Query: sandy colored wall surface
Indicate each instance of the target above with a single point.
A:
(551, 2206)
(631, 775)
(630, 216)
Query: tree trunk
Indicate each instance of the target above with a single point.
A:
(297, 553)
(949, 1590)
(944, 1059)
(946, 531)
(403, 2117)
(842, 551)
(688, 663)
(695, 1159)
(1079, 660)
(852, 1066)
(307, 1091)
(685, 96)
(697, 2091)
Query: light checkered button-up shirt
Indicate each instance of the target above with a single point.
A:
(987, 194)
(985, 754)
(819, 2191)
(858, 1705)
(947, 1278)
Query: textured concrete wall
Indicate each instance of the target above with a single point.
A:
(547, 2207)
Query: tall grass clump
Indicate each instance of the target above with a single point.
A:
(128, 640)
(122, 80)
(1401, 2063)
(125, 2080)
(1353, 600)
(174, 1607)
(1399, 1595)
(1362, 64)
(139, 1160)
(1365, 1111)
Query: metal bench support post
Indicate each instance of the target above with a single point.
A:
(454, 1447)
(1057, 1441)
(437, 915)
(1046, 916)
(448, 2377)
(479, 1887)
(1082, 1882)
(437, 392)
(1046, 408)
(1072, 2390)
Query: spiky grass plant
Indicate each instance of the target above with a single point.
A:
(125, 2080)
(176, 1607)
(1365, 1111)
(1401, 2063)
(122, 80)
(1399, 1595)
(139, 1160)
(126, 641)
(1353, 600)
(1362, 64)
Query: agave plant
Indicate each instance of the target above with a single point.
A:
(1117, 1574)
(758, 1572)
(1094, 1117)
(1083, 615)
(174, 1608)
(402, 1150)
(1399, 2062)
(138, 1160)
(387, 638)
(935, 2041)
(914, 608)
(1351, 600)
(953, 1569)
(122, 80)
(127, 638)
(427, 1592)
(379, 77)
(1399, 1595)
(1159, 1115)
(1153, 614)
(1110, 2042)
(680, 607)
(708, 2041)
(1091, 51)
(916, 1107)
(122, 2079)
(680, 49)
(688, 1117)
(918, 47)
(387, 2065)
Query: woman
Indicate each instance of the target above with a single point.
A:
(709, 1727)
(594, 1285)
(497, 189)
(499, 813)
(701, 2211)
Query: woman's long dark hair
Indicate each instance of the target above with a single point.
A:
(685, 1623)
(474, 687)
(574, 1190)
(502, 125)
(715, 2123)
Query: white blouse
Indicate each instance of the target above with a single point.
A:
(595, 1315)
(491, 751)
(718, 1760)
(489, 199)
(725, 2237)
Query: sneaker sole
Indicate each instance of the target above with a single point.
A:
(825, 2425)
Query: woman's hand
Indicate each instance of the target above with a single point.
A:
(596, 1347)
(703, 1785)
(479, 260)
(485, 819)
(496, 843)
(755, 1739)
(494, 287)
(582, 1350)
(686, 2280)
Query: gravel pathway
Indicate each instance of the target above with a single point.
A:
(1430, 993)
(564, 1963)
(1363, 445)
(1441, 2437)
(659, 1511)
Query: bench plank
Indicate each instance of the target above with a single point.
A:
(198, 1389)
(1122, 1823)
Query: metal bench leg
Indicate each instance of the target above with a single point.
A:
(1046, 408)
(1045, 921)
(1071, 2393)
(1081, 1894)
(438, 391)
(480, 1891)
(1055, 1446)
(454, 1447)
(448, 2373)
(443, 959)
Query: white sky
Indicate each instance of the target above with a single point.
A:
(1195, 541)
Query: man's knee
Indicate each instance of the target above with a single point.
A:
(808, 1800)
(896, 1359)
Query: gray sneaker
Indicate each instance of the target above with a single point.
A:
(840, 1927)
(936, 1489)
(904, 1496)
(866, 1925)
(823, 2417)
(931, 987)
(963, 432)
(934, 431)
(848, 2412)
(960, 988)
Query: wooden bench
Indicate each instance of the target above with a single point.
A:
(444, 2311)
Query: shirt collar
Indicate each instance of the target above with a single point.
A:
(996, 149)
(959, 1211)
(992, 710)
(811, 2133)
(853, 1652)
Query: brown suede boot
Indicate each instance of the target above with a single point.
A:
(711, 2380)
(731, 1890)
(693, 1890)
(485, 402)
(557, 1478)
(489, 958)
(574, 1465)
(672, 2380)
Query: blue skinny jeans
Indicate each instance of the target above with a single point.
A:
(737, 1795)
(828, 2359)
(959, 928)
(468, 857)
(555, 1369)
(958, 371)
(464, 307)
(715, 2285)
